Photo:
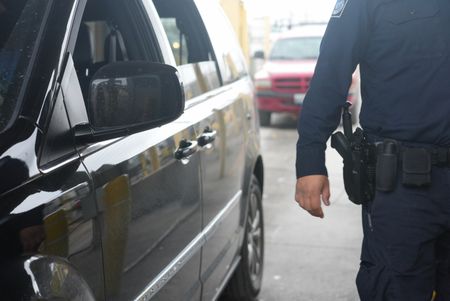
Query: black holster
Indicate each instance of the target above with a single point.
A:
(359, 160)
(359, 165)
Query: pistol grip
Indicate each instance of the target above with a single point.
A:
(342, 145)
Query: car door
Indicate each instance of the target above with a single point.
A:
(215, 106)
(54, 219)
(48, 225)
(224, 168)
(223, 162)
(147, 185)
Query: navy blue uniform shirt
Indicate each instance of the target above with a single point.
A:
(402, 48)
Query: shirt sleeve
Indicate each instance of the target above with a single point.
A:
(340, 52)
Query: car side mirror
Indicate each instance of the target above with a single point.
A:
(129, 97)
(259, 54)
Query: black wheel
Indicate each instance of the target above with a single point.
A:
(246, 281)
(264, 118)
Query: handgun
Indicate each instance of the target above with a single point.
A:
(342, 141)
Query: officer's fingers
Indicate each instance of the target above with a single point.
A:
(314, 205)
(317, 212)
(306, 198)
(308, 191)
(307, 194)
(303, 200)
(300, 193)
(299, 198)
(326, 193)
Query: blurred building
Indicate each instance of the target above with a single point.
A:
(260, 32)
(236, 12)
(260, 41)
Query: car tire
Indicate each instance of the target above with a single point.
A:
(264, 118)
(246, 281)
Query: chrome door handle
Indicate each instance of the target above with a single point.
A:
(186, 149)
(207, 137)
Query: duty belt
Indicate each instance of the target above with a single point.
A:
(439, 156)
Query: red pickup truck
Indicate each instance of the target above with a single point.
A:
(284, 79)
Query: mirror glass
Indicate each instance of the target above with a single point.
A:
(127, 94)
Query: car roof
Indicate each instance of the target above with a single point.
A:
(316, 30)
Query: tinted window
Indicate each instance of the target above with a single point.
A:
(106, 36)
(190, 45)
(296, 48)
(20, 22)
(177, 41)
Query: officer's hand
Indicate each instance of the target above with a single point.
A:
(308, 193)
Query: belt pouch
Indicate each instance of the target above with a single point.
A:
(387, 165)
(416, 167)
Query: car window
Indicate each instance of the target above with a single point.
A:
(20, 22)
(105, 36)
(190, 46)
(177, 41)
(300, 48)
(228, 51)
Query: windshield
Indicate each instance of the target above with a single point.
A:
(20, 21)
(296, 48)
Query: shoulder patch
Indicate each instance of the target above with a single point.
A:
(339, 8)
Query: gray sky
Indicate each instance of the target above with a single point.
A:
(308, 10)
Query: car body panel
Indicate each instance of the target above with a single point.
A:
(46, 205)
(222, 173)
(54, 215)
(158, 214)
(124, 217)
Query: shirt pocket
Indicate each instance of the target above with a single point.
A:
(415, 29)
(404, 11)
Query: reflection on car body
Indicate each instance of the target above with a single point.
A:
(116, 181)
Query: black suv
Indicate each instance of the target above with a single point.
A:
(130, 165)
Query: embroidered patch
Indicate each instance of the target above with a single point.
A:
(339, 8)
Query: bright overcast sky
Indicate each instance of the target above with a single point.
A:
(308, 10)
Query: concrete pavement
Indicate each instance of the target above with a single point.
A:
(306, 258)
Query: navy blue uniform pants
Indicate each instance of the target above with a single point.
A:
(406, 247)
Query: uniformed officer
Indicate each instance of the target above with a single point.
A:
(402, 48)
